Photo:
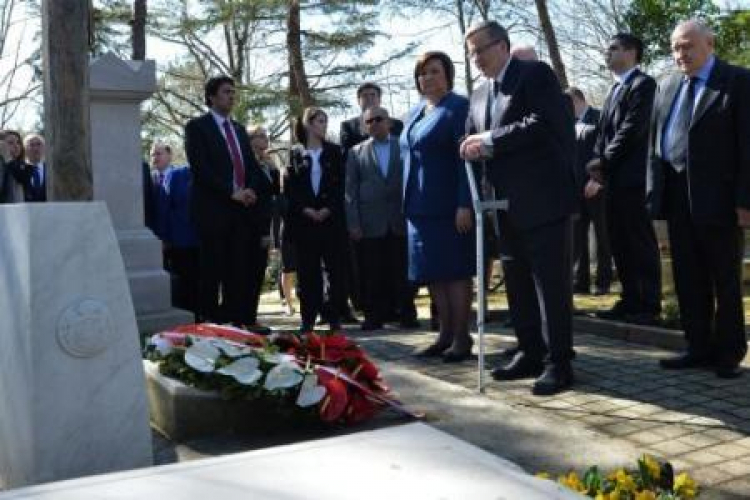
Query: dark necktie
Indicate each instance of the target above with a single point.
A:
(36, 177)
(490, 104)
(239, 170)
(678, 150)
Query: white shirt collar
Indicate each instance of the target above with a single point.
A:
(623, 77)
(220, 120)
(501, 74)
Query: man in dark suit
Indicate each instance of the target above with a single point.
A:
(520, 124)
(224, 205)
(591, 210)
(620, 164)
(36, 188)
(352, 132)
(374, 183)
(699, 181)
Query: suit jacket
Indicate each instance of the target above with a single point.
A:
(585, 139)
(533, 143)
(435, 182)
(718, 165)
(213, 173)
(268, 191)
(33, 193)
(299, 195)
(622, 143)
(172, 208)
(15, 181)
(351, 132)
(591, 116)
(373, 202)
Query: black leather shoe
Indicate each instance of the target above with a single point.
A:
(580, 290)
(368, 326)
(349, 319)
(685, 361)
(431, 351)
(451, 356)
(645, 319)
(728, 371)
(599, 291)
(618, 312)
(509, 352)
(554, 379)
(409, 324)
(521, 366)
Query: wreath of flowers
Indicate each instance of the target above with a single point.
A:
(326, 376)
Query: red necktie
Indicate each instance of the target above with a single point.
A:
(239, 170)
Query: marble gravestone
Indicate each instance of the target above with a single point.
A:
(117, 88)
(71, 379)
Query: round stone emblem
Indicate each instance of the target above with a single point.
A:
(85, 328)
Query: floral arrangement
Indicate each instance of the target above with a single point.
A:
(323, 376)
(650, 481)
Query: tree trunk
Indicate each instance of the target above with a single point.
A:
(549, 35)
(65, 46)
(138, 29)
(299, 88)
(467, 60)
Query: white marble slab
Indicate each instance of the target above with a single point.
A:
(71, 378)
(412, 461)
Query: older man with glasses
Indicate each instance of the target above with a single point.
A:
(374, 218)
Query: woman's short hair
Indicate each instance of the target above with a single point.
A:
(310, 113)
(445, 61)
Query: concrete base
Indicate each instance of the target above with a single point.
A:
(409, 461)
(149, 283)
(181, 412)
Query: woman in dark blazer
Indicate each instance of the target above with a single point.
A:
(314, 188)
(16, 174)
(437, 204)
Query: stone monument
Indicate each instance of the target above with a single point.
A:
(116, 90)
(71, 383)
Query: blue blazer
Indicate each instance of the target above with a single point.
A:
(435, 182)
(173, 220)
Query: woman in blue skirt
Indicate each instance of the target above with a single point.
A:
(437, 204)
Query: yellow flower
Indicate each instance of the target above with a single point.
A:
(685, 486)
(601, 496)
(614, 495)
(543, 475)
(654, 469)
(572, 481)
(645, 495)
(625, 481)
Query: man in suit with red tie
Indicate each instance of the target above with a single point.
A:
(619, 163)
(224, 205)
(699, 181)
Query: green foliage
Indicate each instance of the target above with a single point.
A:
(653, 21)
(733, 37)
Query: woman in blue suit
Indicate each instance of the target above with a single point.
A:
(437, 204)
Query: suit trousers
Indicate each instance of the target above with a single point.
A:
(538, 279)
(258, 265)
(224, 247)
(385, 276)
(634, 248)
(592, 214)
(707, 269)
(317, 247)
(182, 265)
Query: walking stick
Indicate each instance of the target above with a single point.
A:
(480, 207)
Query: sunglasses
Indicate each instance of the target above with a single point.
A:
(375, 119)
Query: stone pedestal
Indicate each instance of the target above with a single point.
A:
(117, 89)
(71, 377)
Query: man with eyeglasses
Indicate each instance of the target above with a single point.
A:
(620, 163)
(519, 124)
(374, 218)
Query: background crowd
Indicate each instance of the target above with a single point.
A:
(363, 224)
